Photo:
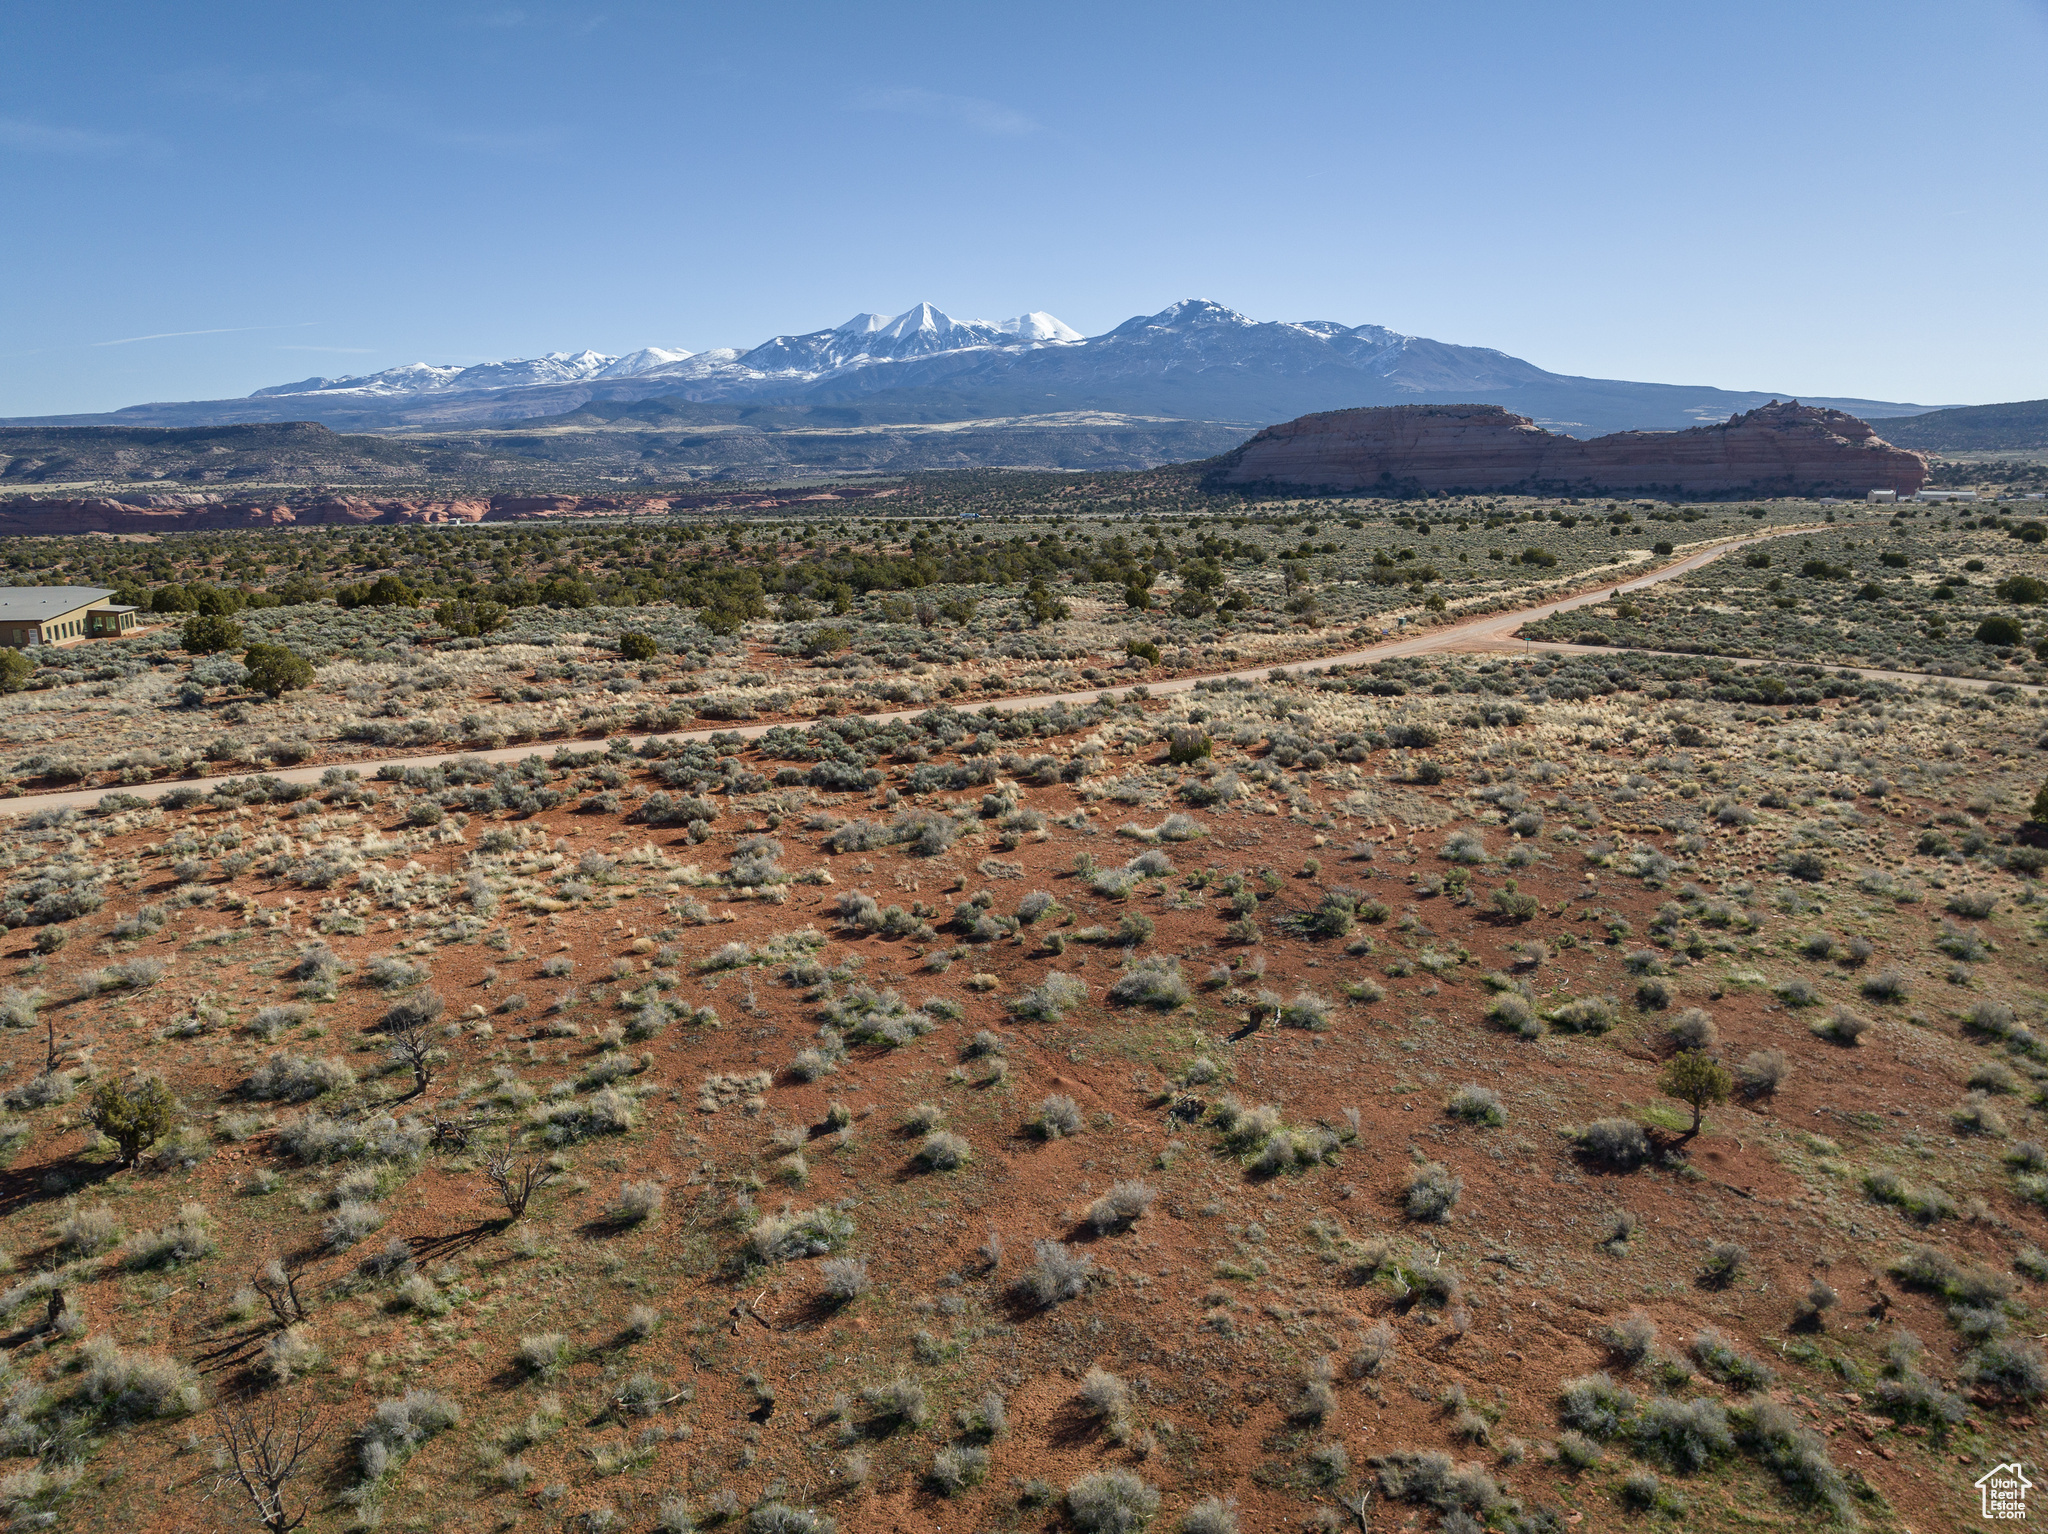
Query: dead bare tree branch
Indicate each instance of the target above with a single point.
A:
(1356, 1506)
(279, 1287)
(516, 1179)
(413, 1046)
(267, 1451)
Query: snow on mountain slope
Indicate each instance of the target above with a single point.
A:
(424, 378)
(1038, 326)
(866, 339)
(1192, 355)
(1194, 360)
(412, 378)
(643, 361)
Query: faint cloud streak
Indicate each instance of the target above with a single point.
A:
(983, 116)
(223, 330)
(513, 17)
(359, 108)
(41, 138)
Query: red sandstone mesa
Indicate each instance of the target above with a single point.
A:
(185, 514)
(1776, 449)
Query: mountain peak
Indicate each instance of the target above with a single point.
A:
(1199, 311)
(1038, 326)
(1188, 314)
(916, 320)
(645, 360)
(1193, 360)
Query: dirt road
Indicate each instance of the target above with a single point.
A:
(1494, 631)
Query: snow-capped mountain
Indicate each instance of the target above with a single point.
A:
(518, 373)
(644, 360)
(921, 331)
(412, 378)
(1193, 361)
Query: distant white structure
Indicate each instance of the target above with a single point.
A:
(1882, 497)
(1946, 495)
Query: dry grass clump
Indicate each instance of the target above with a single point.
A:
(88, 1231)
(296, 1078)
(1122, 1206)
(1761, 1072)
(136, 1386)
(900, 1403)
(1052, 998)
(541, 1354)
(1477, 1105)
(185, 1239)
(844, 1279)
(1111, 1502)
(291, 1353)
(1692, 1028)
(636, 1203)
(1211, 1515)
(1433, 1190)
(398, 1425)
(1103, 1397)
(1619, 1143)
(793, 1234)
(1058, 1273)
(943, 1151)
(1057, 1118)
(1630, 1339)
(1152, 981)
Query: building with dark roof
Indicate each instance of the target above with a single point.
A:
(43, 615)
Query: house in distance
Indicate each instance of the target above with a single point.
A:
(41, 615)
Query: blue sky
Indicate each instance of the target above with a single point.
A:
(1840, 199)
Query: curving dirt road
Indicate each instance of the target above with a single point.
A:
(1494, 631)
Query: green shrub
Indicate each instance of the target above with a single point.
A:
(133, 1118)
(2021, 590)
(1727, 1363)
(209, 634)
(471, 619)
(1513, 903)
(1595, 1405)
(384, 591)
(275, 669)
(1477, 1105)
(1698, 1080)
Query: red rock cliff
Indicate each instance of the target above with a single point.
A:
(185, 514)
(1776, 449)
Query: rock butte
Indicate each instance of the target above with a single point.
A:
(1776, 449)
(193, 513)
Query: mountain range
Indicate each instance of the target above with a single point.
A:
(1195, 361)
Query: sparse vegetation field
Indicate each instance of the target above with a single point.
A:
(1522, 1091)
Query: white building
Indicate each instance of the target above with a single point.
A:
(1946, 495)
(1882, 497)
